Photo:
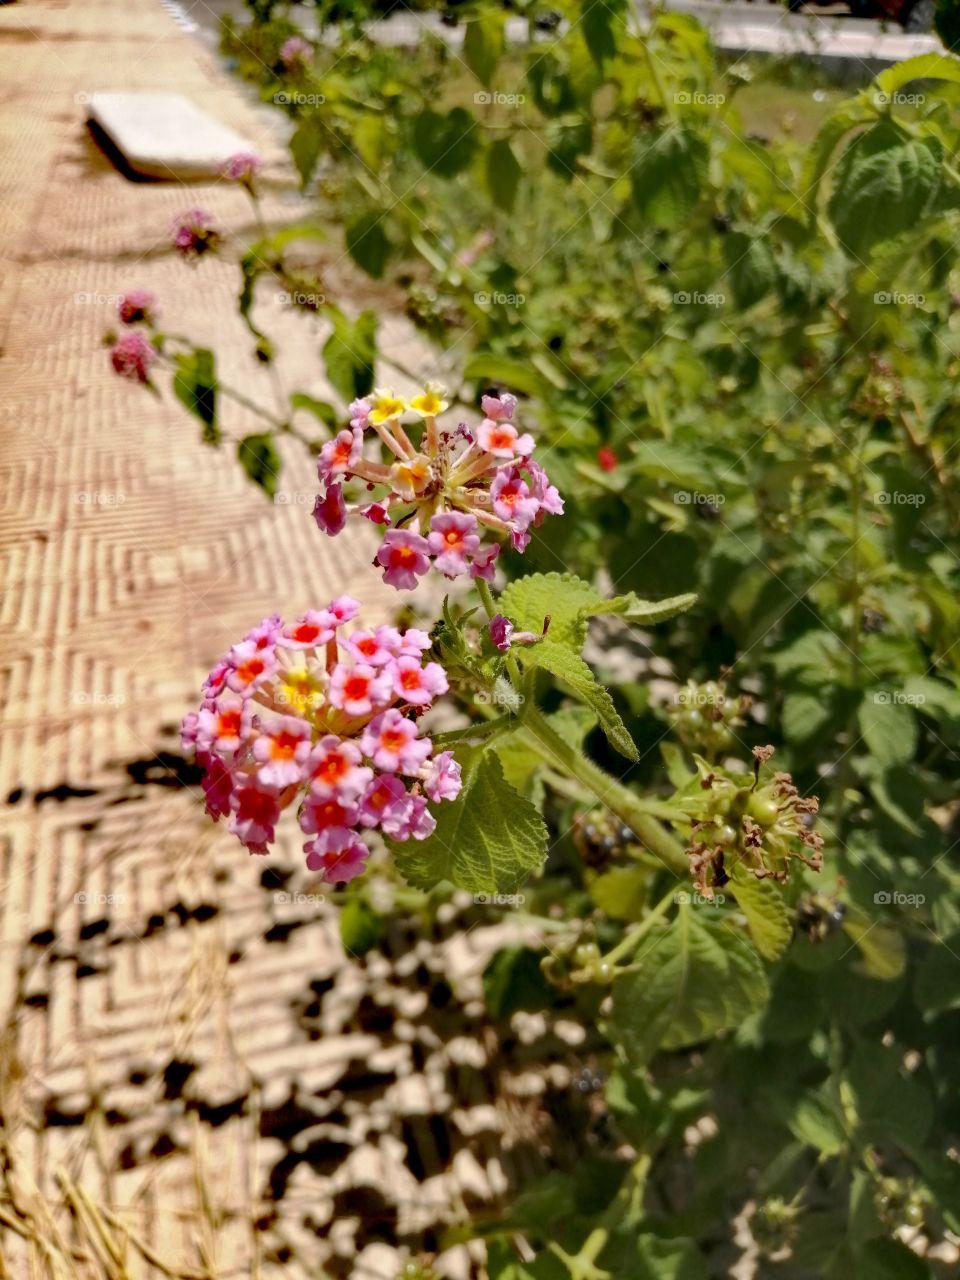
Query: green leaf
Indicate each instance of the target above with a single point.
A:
(367, 243)
(567, 140)
(928, 66)
(349, 354)
(260, 460)
(621, 892)
(600, 22)
(886, 1259)
(504, 172)
(751, 267)
(881, 946)
(571, 669)
(762, 902)
(659, 1259)
(360, 927)
(486, 367)
(569, 601)
(669, 175)
(888, 728)
(696, 978)
(883, 186)
(817, 1120)
(305, 147)
(321, 409)
(488, 840)
(804, 715)
(513, 980)
(445, 143)
(195, 386)
(483, 43)
(937, 984)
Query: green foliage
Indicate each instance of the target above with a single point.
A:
(761, 332)
(488, 842)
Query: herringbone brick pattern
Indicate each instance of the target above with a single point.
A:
(193, 1080)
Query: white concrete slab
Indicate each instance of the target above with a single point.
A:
(165, 135)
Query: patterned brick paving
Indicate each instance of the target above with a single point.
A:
(192, 1080)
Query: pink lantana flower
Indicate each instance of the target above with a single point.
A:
(330, 511)
(453, 539)
(404, 556)
(243, 168)
(438, 492)
(418, 685)
(391, 742)
(358, 689)
(291, 719)
(442, 780)
(195, 234)
(282, 749)
(295, 53)
(132, 356)
(138, 306)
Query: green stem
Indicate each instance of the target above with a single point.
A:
(620, 800)
(486, 597)
(631, 939)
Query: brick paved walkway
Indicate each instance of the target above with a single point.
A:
(172, 1028)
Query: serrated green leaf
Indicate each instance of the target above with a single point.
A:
(568, 667)
(260, 460)
(883, 185)
(696, 978)
(669, 175)
(488, 840)
(367, 243)
(762, 902)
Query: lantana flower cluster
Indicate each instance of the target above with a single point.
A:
(439, 493)
(306, 715)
